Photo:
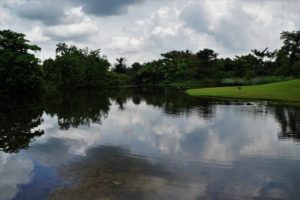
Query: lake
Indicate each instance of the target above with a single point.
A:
(143, 143)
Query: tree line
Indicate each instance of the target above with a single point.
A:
(73, 67)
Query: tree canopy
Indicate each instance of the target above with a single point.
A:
(19, 68)
(291, 45)
(74, 67)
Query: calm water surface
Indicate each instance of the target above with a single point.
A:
(147, 144)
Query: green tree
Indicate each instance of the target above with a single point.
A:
(120, 66)
(150, 73)
(265, 64)
(246, 65)
(207, 58)
(74, 67)
(19, 68)
(135, 67)
(291, 45)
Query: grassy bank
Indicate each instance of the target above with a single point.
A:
(288, 91)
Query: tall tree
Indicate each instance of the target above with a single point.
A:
(120, 66)
(135, 66)
(207, 59)
(291, 45)
(19, 68)
(75, 67)
(207, 55)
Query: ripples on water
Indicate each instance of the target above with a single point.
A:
(147, 144)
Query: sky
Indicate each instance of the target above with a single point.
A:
(140, 30)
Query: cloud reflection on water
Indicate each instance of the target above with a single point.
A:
(14, 171)
(193, 147)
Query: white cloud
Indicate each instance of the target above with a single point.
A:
(77, 27)
(37, 36)
(141, 30)
(125, 44)
(240, 26)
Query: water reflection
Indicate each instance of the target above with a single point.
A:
(117, 173)
(289, 120)
(18, 119)
(78, 108)
(152, 143)
(14, 171)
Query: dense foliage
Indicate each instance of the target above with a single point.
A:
(205, 64)
(74, 67)
(19, 68)
(83, 68)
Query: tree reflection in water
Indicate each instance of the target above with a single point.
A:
(20, 118)
(75, 108)
(223, 138)
(289, 120)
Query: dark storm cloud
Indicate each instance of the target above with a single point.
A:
(49, 12)
(107, 7)
(64, 34)
(52, 12)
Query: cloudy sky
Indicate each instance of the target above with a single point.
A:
(140, 30)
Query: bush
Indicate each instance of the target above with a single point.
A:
(115, 79)
(253, 81)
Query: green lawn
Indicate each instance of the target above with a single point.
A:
(288, 91)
